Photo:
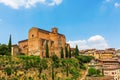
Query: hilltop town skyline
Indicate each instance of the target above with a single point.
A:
(88, 24)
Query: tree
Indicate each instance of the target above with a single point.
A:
(9, 45)
(55, 61)
(47, 50)
(69, 52)
(3, 49)
(62, 53)
(84, 59)
(75, 73)
(66, 52)
(53, 76)
(76, 51)
(69, 65)
(8, 70)
(42, 65)
(93, 72)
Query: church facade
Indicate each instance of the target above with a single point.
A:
(37, 40)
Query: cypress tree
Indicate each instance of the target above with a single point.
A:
(53, 72)
(9, 45)
(47, 50)
(66, 52)
(62, 53)
(76, 51)
(69, 52)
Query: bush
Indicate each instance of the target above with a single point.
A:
(22, 53)
(93, 72)
(3, 49)
(54, 57)
(3, 78)
(84, 59)
(8, 70)
(55, 60)
(75, 73)
(30, 78)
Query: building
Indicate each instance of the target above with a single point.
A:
(15, 49)
(101, 54)
(118, 52)
(38, 39)
(111, 67)
(108, 67)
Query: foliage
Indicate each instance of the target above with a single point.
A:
(70, 54)
(3, 49)
(42, 65)
(47, 50)
(66, 52)
(8, 70)
(62, 53)
(48, 67)
(53, 72)
(30, 78)
(93, 72)
(84, 59)
(22, 53)
(9, 45)
(55, 60)
(75, 73)
(3, 78)
(70, 64)
(54, 57)
(76, 51)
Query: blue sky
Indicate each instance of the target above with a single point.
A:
(87, 23)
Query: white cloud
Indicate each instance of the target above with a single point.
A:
(117, 5)
(113, 3)
(55, 2)
(16, 4)
(82, 44)
(97, 42)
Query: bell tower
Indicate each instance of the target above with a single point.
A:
(55, 30)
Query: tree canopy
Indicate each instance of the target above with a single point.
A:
(76, 51)
(3, 49)
(9, 45)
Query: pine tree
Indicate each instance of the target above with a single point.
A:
(9, 45)
(47, 50)
(66, 52)
(62, 53)
(76, 51)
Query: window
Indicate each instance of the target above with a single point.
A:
(59, 42)
(42, 41)
(52, 43)
(32, 35)
(113, 73)
(24, 46)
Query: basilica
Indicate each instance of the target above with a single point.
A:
(36, 42)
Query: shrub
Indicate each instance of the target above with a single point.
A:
(8, 70)
(93, 72)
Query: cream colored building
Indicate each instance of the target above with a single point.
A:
(111, 67)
